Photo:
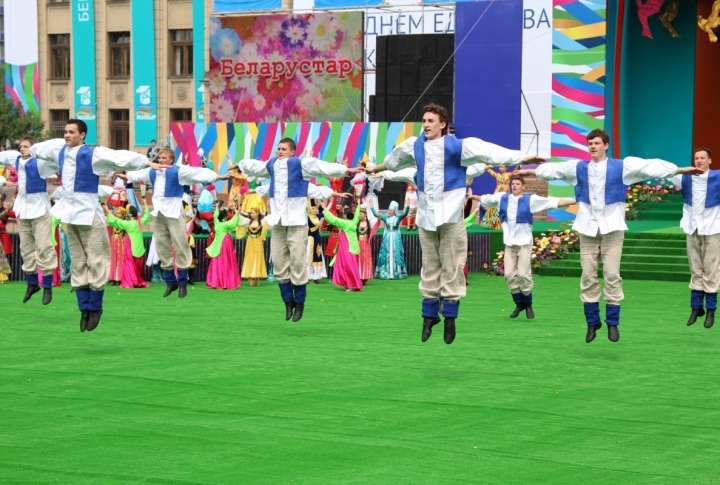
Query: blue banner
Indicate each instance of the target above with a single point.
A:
(143, 72)
(84, 69)
(198, 7)
(222, 6)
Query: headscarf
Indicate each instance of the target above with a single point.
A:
(394, 206)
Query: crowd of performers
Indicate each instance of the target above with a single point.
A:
(104, 240)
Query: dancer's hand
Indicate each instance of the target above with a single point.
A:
(533, 159)
(341, 194)
(223, 177)
(524, 172)
(157, 166)
(355, 170)
(688, 171)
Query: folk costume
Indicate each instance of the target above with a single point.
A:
(132, 276)
(391, 258)
(346, 269)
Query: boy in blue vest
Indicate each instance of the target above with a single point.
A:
(600, 189)
(32, 209)
(169, 222)
(80, 168)
(516, 215)
(701, 223)
(442, 163)
(289, 190)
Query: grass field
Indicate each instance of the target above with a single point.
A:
(219, 389)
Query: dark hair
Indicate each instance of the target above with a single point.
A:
(132, 211)
(81, 125)
(517, 177)
(597, 133)
(289, 142)
(153, 141)
(28, 138)
(223, 214)
(441, 112)
(702, 149)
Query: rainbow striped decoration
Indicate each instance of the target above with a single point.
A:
(578, 84)
(329, 141)
(21, 86)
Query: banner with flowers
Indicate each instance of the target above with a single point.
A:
(279, 68)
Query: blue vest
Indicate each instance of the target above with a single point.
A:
(524, 215)
(34, 183)
(712, 195)
(615, 189)
(454, 173)
(172, 184)
(297, 185)
(85, 179)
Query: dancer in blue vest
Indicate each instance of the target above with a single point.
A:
(701, 223)
(289, 190)
(516, 216)
(169, 222)
(600, 189)
(32, 209)
(80, 168)
(442, 163)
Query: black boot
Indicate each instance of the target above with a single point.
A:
(518, 308)
(428, 324)
(182, 292)
(613, 333)
(289, 307)
(47, 296)
(93, 320)
(170, 289)
(710, 318)
(84, 320)
(694, 314)
(590, 335)
(297, 314)
(31, 290)
(529, 311)
(449, 334)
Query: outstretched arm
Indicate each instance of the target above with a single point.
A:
(406, 175)
(638, 169)
(106, 160)
(312, 167)
(565, 171)
(475, 150)
(402, 156)
(255, 168)
(491, 201)
(194, 175)
(8, 157)
(49, 153)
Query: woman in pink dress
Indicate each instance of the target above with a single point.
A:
(346, 270)
(223, 272)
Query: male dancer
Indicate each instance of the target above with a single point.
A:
(701, 223)
(169, 220)
(80, 168)
(600, 189)
(289, 190)
(32, 209)
(442, 163)
(516, 215)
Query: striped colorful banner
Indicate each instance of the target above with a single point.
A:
(578, 84)
(21, 86)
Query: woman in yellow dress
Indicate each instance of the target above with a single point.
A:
(252, 199)
(491, 220)
(254, 267)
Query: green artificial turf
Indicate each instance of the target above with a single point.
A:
(219, 389)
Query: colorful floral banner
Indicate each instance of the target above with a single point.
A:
(286, 67)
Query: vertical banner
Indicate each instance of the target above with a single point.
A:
(199, 57)
(143, 72)
(21, 54)
(84, 69)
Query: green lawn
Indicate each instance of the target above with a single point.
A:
(218, 388)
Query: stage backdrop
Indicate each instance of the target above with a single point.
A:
(304, 67)
(328, 141)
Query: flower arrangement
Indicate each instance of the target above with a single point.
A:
(651, 191)
(553, 245)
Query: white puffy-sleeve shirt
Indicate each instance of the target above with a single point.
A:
(515, 234)
(28, 206)
(696, 217)
(597, 217)
(292, 211)
(81, 208)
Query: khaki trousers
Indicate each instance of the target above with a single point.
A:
(172, 231)
(444, 253)
(518, 274)
(704, 258)
(288, 246)
(36, 245)
(608, 249)
(90, 253)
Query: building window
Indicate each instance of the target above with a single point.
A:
(119, 54)
(178, 115)
(60, 56)
(181, 61)
(58, 120)
(120, 129)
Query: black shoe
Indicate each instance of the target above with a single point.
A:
(428, 324)
(297, 314)
(84, 320)
(710, 318)
(613, 333)
(182, 292)
(529, 311)
(696, 312)
(170, 289)
(93, 320)
(31, 290)
(590, 336)
(449, 334)
(518, 308)
(289, 307)
(47, 296)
